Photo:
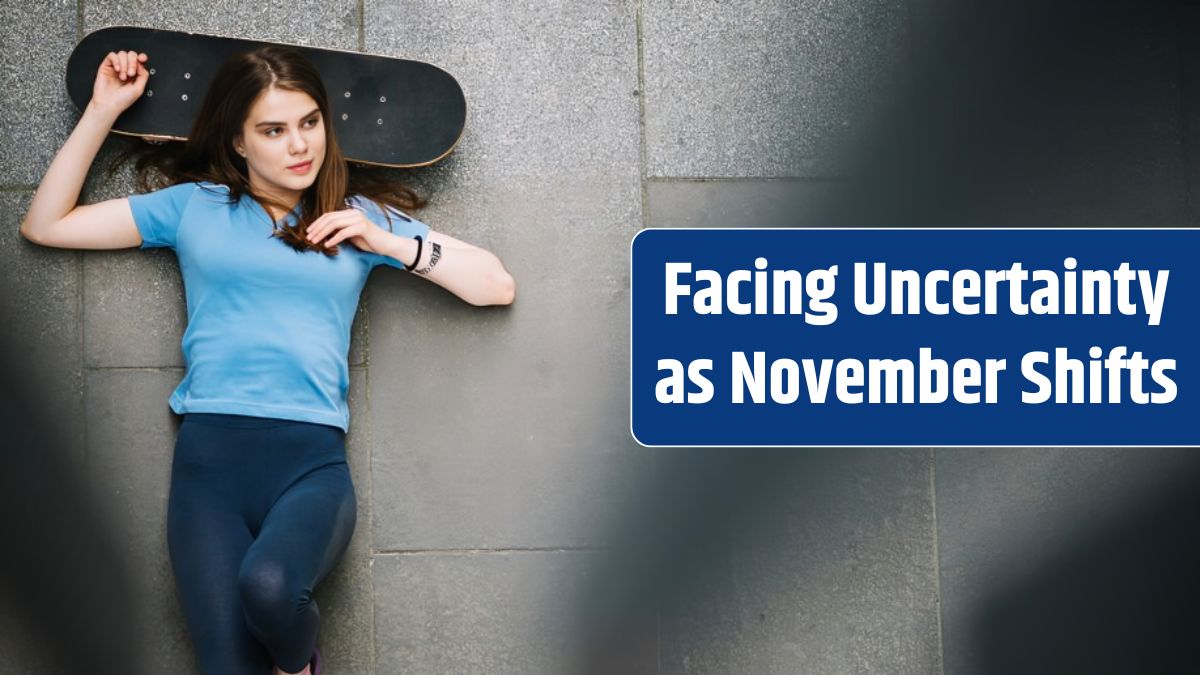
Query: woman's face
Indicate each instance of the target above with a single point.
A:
(283, 128)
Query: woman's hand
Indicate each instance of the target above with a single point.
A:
(120, 80)
(349, 224)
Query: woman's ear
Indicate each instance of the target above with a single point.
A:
(237, 145)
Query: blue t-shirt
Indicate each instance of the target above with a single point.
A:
(268, 332)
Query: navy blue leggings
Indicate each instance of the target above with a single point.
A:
(261, 509)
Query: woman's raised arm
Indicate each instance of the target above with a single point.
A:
(53, 218)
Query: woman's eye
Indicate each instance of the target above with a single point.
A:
(314, 121)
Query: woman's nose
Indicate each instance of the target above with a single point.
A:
(298, 144)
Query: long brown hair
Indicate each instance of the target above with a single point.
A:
(208, 154)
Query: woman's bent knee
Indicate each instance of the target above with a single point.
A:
(267, 594)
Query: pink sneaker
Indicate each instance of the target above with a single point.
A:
(316, 661)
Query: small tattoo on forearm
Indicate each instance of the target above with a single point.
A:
(433, 257)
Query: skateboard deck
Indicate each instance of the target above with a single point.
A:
(386, 111)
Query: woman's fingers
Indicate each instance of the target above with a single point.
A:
(325, 222)
(126, 65)
(323, 225)
(343, 233)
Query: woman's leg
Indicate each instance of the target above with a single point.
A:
(303, 536)
(207, 538)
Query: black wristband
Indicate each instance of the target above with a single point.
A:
(420, 243)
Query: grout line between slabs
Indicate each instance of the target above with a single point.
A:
(937, 554)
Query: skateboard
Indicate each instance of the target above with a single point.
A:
(386, 111)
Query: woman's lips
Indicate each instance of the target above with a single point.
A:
(302, 168)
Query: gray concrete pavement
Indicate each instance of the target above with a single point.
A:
(490, 446)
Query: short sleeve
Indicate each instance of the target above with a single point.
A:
(401, 224)
(157, 214)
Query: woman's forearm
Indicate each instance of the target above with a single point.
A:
(472, 273)
(58, 193)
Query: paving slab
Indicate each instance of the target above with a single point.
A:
(508, 426)
(550, 89)
(18, 648)
(332, 25)
(131, 440)
(1081, 125)
(1038, 534)
(345, 597)
(33, 93)
(770, 90)
(797, 560)
(742, 203)
(493, 613)
(520, 440)
(42, 326)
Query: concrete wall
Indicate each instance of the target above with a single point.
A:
(490, 446)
